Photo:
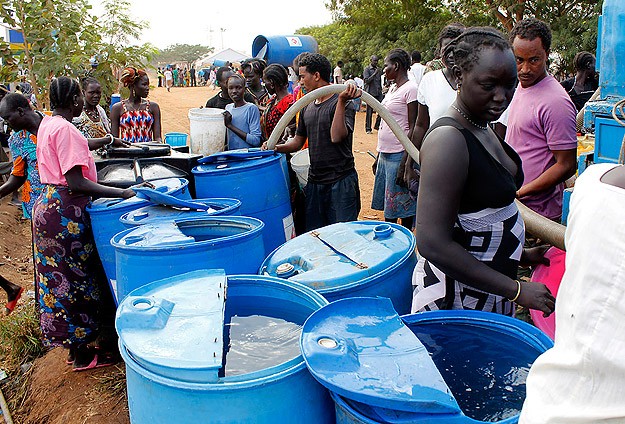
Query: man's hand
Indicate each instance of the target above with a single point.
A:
(351, 92)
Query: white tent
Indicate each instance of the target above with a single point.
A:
(226, 55)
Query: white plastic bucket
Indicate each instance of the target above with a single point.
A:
(208, 132)
(300, 162)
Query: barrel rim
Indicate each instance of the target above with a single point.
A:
(232, 204)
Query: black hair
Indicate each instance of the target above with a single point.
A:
(583, 60)
(277, 75)
(14, 100)
(416, 56)
(221, 71)
(298, 58)
(84, 83)
(339, 63)
(62, 92)
(468, 45)
(315, 62)
(529, 29)
(450, 31)
(400, 57)
(256, 65)
(238, 76)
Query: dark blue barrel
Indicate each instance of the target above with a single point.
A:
(154, 213)
(448, 367)
(283, 49)
(175, 376)
(258, 179)
(350, 259)
(105, 214)
(167, 248)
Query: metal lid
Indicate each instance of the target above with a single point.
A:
(360, 349)
(174, 327)
(343, 254)
(167, 186)
(235, 160)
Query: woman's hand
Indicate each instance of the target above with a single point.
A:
(534, 256)
(127, 193)
(409, 175)
(536, 296)
(227, 118)
(118, 142)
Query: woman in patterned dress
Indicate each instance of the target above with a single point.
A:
(136, 119)
(469, 231)
(75, 303)
(92, 122)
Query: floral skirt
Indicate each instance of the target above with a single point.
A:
(70, 281)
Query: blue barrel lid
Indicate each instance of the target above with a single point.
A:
(341, 255)
(166, 185)
(174, 327)
(235, 160)
(360, 349)
(151, 213)
(168, 234)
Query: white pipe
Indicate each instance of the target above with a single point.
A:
(539, 226)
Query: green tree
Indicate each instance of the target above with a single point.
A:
(187, 53)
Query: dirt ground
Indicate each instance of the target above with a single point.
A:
(59, 396)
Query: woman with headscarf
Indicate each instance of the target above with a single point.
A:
(136, 119)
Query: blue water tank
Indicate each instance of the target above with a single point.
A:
(259, 180)
(612, 49)
(167, 248)
(105, 214)
(155, 213)
(176, 376)
(448, 367)
(283, 49)
(350, 259)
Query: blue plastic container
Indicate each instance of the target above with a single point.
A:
(173, 376)
(105, 214)
(156, 213)
(350, 259)
(456, 367)
(612, 49)
(168, 248)
(283, 49)
(115, 98)
(175, 139)
(258, 179)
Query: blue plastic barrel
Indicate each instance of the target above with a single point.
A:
(176, 376)
(164, 249)
(176, 139)
(612, 49)
(350, 259)
(115, 98)
(283, 49)
(154, 213)
(448, 367)
(258, 179)
(105, 214)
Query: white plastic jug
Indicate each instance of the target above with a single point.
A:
(208, 132)
(300, 162)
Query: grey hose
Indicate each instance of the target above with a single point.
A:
(539, 226)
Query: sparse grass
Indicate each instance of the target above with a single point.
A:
(112, 385)
(20, 338)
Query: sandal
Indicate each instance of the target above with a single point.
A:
(10, 306)
(98, 361)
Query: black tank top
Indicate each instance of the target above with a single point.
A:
(489, 184)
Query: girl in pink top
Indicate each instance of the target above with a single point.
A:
(74, 299)
(401, 102)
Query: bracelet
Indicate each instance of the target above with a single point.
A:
(518, 291)
(111, 140)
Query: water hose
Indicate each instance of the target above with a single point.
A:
(537, 225)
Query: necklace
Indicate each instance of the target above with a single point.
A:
(464, 115)
(93, 114)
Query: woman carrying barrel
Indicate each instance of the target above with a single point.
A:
(401, 102)
(469, 231)
(136, 119)
(74, 299)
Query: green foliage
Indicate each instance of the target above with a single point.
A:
(182, 53)
(362, 28)
(20, 337)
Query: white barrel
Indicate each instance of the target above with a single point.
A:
(300, 162)
(208, 132)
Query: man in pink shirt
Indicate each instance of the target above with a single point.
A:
(541, 127)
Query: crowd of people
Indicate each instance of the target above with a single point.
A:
(490, 122)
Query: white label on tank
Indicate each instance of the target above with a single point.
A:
(294, 41)
(289, 227)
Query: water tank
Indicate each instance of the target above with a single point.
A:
(462, 367)
(612, 49)
(184, 340)
(283, 49)
(350, 259)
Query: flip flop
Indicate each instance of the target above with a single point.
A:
(12, 304)
(98, 361)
